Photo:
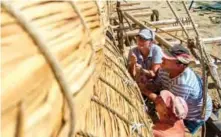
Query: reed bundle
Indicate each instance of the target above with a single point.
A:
(33, 102)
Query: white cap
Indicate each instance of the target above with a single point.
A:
(147, 34)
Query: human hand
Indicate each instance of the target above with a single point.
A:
(141, 86)
(138, 67)
(133, 59)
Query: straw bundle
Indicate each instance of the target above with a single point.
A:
(33, 101)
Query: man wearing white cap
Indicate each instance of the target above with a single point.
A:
(146, 58)
(180, 80)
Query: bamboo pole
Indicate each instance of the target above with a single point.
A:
(181, 24)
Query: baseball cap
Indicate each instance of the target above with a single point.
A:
(177, 104)
(178, 52)
(147, 34)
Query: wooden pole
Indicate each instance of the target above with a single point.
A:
(211, 40)
(192, 21)
(167, 29)
(176, 28)
(140, 14)
(130, 4)
(135, 8)
(168, 22)
(181, 24)
(148, 23)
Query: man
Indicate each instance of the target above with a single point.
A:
(146, 58)
(180, 80)
(171, 110)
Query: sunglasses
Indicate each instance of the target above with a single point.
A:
(142, 39)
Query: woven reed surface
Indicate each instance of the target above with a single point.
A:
(100, 121)
(30, 89)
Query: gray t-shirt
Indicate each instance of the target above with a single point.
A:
(154, 57)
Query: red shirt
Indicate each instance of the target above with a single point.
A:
(163, 129)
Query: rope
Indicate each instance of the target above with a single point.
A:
(85, 134)
(191, 45)
(73, 4)
(125, 97)
(114, 45)
(122, 70)
(136, 127)
(115, 113)
(206, 57)
(131, 83)
(52, 61)
(98, 7)
(206, 61)
(116, 48)
(20, 121)
(114, 53)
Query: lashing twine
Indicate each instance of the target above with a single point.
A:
(73, 4)
(126, 98)
(117, 114)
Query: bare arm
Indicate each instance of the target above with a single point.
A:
(152, 96)
(132, 64)
(152, 73)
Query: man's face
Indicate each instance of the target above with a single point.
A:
(162, 109)
(169, 64)
(142, 43)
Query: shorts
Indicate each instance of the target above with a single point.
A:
(193, 126)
